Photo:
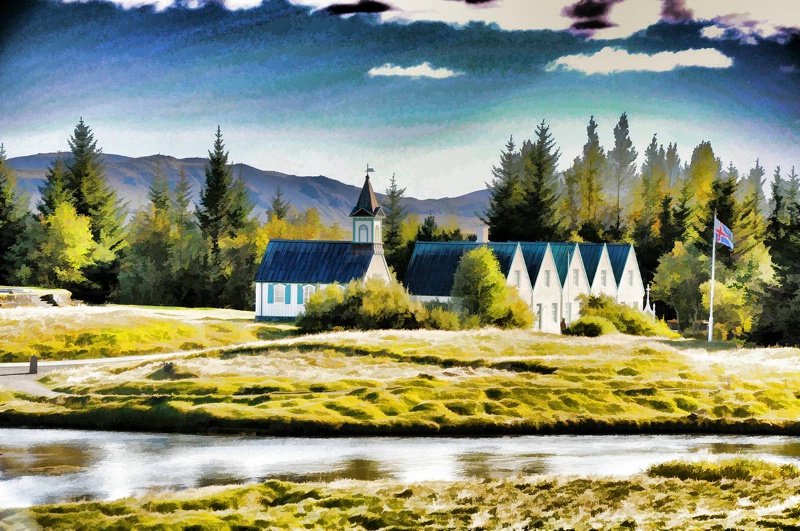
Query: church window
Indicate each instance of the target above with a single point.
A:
(517, 277)
(630, 277)
(574, 277)
(554, 307)
(363, 233)
(603, 278)
(280, 294)
(547, 278)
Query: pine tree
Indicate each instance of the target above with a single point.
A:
(395, 215)
(754, 185)
(54, 190)
(213, 211)
(158, 191)
(241, 204)
(502, 215)
(12, 219)
(622, 165)
(592, 171)
(792, 189)
(539, 207)
(279, 208)
(92, 197)
(673, 166)
(703, 170)
(181, 199)
(653, 180)
(723, 203)
(570, 192)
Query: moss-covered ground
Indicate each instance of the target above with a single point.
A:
(83, 332)
(729, 495)
(429, 383)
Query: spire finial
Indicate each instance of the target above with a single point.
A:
(369, 170)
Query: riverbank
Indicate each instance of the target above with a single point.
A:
(485, 382)
(733, 494)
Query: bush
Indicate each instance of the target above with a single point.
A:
(590, 326)
(439, 318)
(624, 318)
(733, 469)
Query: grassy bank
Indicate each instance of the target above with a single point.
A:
(433, 383)
(729, 495)
(109, 331)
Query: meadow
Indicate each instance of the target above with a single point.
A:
(478, 382)
(736, 494)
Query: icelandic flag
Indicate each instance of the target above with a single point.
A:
(722, 234)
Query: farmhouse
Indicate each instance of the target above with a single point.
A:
(291, 270)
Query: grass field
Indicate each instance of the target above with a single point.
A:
(729, 495)
(82, 332)
(429, 382)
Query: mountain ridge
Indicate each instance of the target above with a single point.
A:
(132, 176)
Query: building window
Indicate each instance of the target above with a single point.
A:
(574, 277)
(307, 291)
(555, 312)
(363, 233)
(517, 278)
(547, 278)
(539, 316)
(568, 311)
(603, 278)
(630, 277)
(280, 294)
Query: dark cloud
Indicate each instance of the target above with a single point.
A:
(590, 15)
(363, 6)
(676, 11)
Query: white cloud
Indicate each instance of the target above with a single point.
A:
(763, 18)
(161, 5)
(712, 32)
(422, 70)
(611, 60)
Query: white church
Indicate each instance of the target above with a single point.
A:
(550, 276)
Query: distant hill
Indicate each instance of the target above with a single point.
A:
(131, 177)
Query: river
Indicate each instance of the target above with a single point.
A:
(48, 466)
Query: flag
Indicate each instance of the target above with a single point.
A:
(722, 234)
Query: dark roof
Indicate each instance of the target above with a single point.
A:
(562, 254)
(533, 252)
(433, 265)
(313, 262)
(367, 204)
(618, 254)
(591, 253)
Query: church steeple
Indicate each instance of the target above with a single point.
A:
(367, 215)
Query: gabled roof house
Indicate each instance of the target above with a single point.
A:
(291, 270)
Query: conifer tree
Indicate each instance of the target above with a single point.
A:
(241, 204)
(592, 170)
(502, 215)
(652, 184)
(396, 213)
(539, 207)
(54, 189)
(182, 198)
(622, 166)
(702, 172)
(673, 166)
(754, 185)
(92, 197)
(12, 219)
(213, 210)
(571, 203)
(792, 189)
(158, 191)
(279, 207)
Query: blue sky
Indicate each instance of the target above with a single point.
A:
(427, 89)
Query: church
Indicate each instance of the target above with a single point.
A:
(292, 270)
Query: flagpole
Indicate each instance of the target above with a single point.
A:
(713, 263)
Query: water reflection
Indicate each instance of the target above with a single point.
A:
(46, 466)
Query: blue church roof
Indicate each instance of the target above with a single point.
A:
(313, 262)
(533, 252)
(433, 265)
(591, 253)
(618, 254)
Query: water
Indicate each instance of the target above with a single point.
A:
(48, 466)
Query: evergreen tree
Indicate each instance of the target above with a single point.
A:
(158, 191)
(622, 166)
(723, 203)
(241, 204)
(12, 219)
(654, 175)
(54, 190)
(213, 210)
(673, 166)
(182, 198)
(502, 215)
(792, 189)
(592, 170)
(92, 197)
(571, 204)
(395, 215)
(539, 208)
(703, 170)
(754, 186)
(279, 208)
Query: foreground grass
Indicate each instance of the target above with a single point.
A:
(730, 495)
(108, 331)
(433, 383)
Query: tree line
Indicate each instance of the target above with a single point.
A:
(665, 207)
(171, 252)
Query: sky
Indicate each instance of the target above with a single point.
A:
(428, 90)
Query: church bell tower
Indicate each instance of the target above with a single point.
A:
(367, 218)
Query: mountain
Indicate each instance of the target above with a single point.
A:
(131, 177)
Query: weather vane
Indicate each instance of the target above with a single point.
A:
(369, 169)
